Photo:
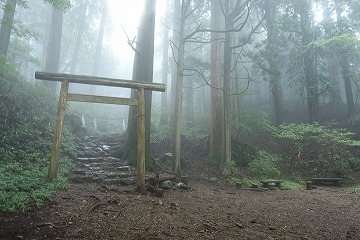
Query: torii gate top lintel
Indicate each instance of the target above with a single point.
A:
(111, 82)
(65, 96)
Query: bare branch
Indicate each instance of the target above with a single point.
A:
(130, 42)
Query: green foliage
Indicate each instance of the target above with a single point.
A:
(26, 183)
(264, 165)
(254, 122)
(60, 4)
(234, 180)
(344, 43)
(27, 126)
(213, 179)
(354, 190)
(312, 149)
(7, 69)
(242, 153)
(291, 185)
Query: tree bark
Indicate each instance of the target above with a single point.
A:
(6, 25)
(175, 42)
(54, 46)
(99, 43)
(80, 30)
(345, 65)
(226, 89)
(311, 83)
(189, 102)
(217, 96)
(143, 72)
(179, 90)
(273, 61)
(165, 68)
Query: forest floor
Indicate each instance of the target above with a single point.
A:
(205, 210)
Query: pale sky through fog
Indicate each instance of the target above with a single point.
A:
(126, 14)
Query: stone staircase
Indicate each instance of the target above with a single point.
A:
(96, 165)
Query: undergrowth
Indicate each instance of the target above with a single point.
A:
(27, 114)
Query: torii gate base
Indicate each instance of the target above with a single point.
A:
(65, 96)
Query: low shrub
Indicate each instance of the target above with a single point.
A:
(264, 166)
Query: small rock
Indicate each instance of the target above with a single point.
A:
(174, 206)
(181, 185)
(253, 220)
(20, 237)
(166, 185)
(272, 228)
(239, 225)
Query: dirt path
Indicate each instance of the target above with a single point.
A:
(101, 204)
(206, 211)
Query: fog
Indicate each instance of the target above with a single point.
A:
(266, 41)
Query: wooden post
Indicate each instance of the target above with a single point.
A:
(141, 142)
(309, 185)
(55, 152)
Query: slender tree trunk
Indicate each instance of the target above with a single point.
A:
(99, 43)
(189, 102)
(273, 60)
(332, 63)
(7, 25)
(175, 40)
(303, 7)
(227, 102)
(179, 90)
(81, 26)
(217, 95)
(165, 68)
(54, 46)
(143, 71)
(345, 65)
(178, 109)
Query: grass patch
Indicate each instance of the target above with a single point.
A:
(248, 182)
(24, 184)
(27, 127)
(291, 185)
(354, 189)
(213, 179)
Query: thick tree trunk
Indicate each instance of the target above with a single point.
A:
(217, 95)
(6, 25)
(54, 46)
(143, 71)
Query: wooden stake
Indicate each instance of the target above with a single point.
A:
(55, 152)
(141, 142)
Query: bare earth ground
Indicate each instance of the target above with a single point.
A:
(205, 211)
(90, 210)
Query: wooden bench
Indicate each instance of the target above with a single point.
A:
(327, 181)
(266, 183)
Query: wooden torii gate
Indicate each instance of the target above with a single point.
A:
(65, 96)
